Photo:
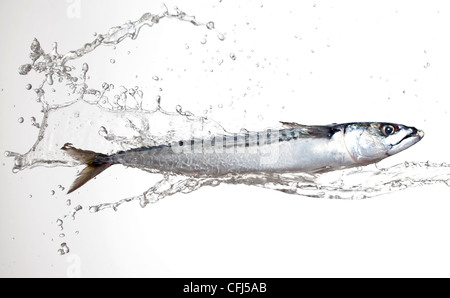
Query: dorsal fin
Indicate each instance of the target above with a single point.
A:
(315, 131)
(292, 125)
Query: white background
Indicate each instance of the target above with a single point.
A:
(314, 62)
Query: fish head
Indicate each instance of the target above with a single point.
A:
(372, 141)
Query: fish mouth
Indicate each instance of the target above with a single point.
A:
(420, 133)
(415, 133)
(407, 141)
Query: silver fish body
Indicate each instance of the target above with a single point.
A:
(294, 148)
(213, 158)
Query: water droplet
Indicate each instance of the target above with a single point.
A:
(210, 25)
(260, 118)
(102, 131)
(49, 79)
(232, 56)
(59, 222)
(143, 202)
(112, 61)
(28, 87)
(20, 120)
(427, 65)
(52, 192)
(155, 78)
(35, 46)
(220, 36)
(85, 67)
(64, 249)
(62, 235)
(203, 41)
(24, 69)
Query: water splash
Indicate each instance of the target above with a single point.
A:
(354, 184)
(108, 119)
(116, 113)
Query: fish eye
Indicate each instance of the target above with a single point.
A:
(387, 129)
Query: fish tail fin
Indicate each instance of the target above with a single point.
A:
(95, 164)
